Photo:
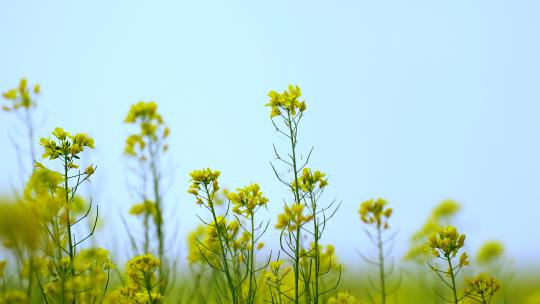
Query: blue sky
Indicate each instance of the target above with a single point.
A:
(414, 101)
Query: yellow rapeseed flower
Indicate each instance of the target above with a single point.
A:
(489, 252)
(246, 200)
(205, 178)
(481, 287)
(375, 212)
(293, 217)
(66, 146)
(310, 181)
(447, 242)
(287, 101)
(20, 97)
(142, 268)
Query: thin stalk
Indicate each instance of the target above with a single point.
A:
(146, 232)
(381, 264)
(148, 285)
(70, 241)
(223, 252)
(452, 276)
(30, 129)
(316, 248)
(159, 215)
(297, 201)
(251, 297)
(30, 276)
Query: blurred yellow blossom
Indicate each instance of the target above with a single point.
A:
(375, 212)
(21, 96)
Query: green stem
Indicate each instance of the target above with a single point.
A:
(223, 252)
(316, 248)
(30, 277)
(252, 263)
(146, 232)
(68, 221)
(30, 129)
(297, 201)
(159, 215)
(381, 264)
(452, 276)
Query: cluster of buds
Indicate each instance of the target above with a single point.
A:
(447, 242)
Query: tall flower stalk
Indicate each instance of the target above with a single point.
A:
(204, 187)
(147, 146)
(66, 148)
(287, 111)
(376, 214)
(23, 102)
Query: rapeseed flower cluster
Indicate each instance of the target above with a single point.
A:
(152, 130)
(246, 200)
(481, 288)
(490, 252)
(146, 207)
(447, 242)
(142, 284)
(204, 178)
(141, 268)
(375, 212)
(287, 102)
(21, 97)
(66, 147)
(442, 215)
(310, 181)
(293, 217)
(146, 111)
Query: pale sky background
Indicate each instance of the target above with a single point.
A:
(413, 101)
